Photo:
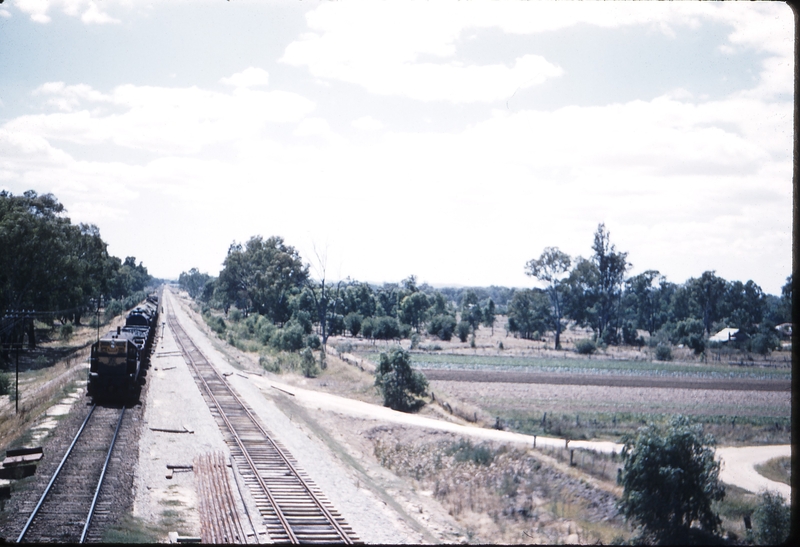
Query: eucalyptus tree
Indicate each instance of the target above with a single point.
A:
(552, 267)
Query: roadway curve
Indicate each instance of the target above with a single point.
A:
(737, 462)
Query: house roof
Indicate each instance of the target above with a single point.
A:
(724, 335)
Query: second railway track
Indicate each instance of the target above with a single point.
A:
(291, 505)
(64, 511)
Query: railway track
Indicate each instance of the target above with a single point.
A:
(66, 508)
(291, 505)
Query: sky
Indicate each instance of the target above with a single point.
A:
(453, 141)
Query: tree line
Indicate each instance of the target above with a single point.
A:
(267, 277)
(49, 265)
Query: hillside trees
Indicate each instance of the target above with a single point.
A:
(49, 264)
(551, 267)
(261, 276)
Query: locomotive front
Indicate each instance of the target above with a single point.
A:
(113, 365)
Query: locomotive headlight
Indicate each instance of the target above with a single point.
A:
(113, 345)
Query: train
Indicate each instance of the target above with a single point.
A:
(117, 359)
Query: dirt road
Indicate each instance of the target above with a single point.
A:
(737, 462)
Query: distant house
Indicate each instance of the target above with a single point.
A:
(784, 330)
(726, 335)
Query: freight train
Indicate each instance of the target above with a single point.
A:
(118, 358)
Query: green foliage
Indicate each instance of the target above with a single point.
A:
(462, 330)
(772, 519)
(352, 322)
(443, 326)
(691, 333)
(383, 328)
(313, 341)
(4, 384)
(398, 383)
(530, 311)
(465, 451)
(270, 365)
(670, 479)
(663, 353)
(289, 338)
(195, 283)
(216, 323)
(309, 364)
(585, 346)
(763, 343)
(66, 331)
(551, 267)
(261, 276)
(235, 315)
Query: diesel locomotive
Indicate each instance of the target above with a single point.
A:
(117, 359)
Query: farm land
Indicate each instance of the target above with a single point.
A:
(499, 493)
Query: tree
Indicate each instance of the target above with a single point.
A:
(261, 276)
(398, 383)
(773, 519)
(471, 310)
(611, 267)
(646, 302)
(670, 479)
(489, 314)
(193, 282)
(529, 312)
(551, 267)
(414, 309)
(707, 292)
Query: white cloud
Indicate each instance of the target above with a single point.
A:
(249, 77)
(159, 119)
(409, 49)
(367, 123)
(88, 10)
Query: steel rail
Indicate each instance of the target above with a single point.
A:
(100, 481)
(55, 475)
(278, 512)
(344, 536)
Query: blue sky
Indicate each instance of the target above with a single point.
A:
(450, 140)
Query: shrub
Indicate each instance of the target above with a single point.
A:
(308, 364)
(269, 365)
(772, 519)
(66, 331)
(465, 451)
(114, 308)
(235, 315)
(368, 327)
(5, 384)
(585, 346)
(386, 328)
(762, 343)
(500, 345)
(289, 338)
(352, 322)
(663, 353)
(398, 382)
(443, 326)
(313, 341)
(462, 330)
(670, 479)
(217, 324)
(414, 341)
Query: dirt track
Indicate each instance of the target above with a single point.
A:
(614, 380)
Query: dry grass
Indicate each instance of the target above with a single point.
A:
(501, 494)
(777, 469)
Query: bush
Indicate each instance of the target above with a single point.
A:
(670, 479)
(462, 330)
(114, 308)
(762, 343)
(585, 346)
(235, 315)
(663, 353)
(5, 384)
(289, 338)
(313, 341)
(309, 364)
(398, 382)
(368, 327)
(352, 322)
(772, 519)
(386, 328)
(414, 341)
(464, 451)
(217, 324)
(443, 326)
(269, 365)
(66, 331)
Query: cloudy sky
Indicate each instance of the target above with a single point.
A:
(450, 140)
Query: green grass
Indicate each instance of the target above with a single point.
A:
(131, 529)
(590, 366)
